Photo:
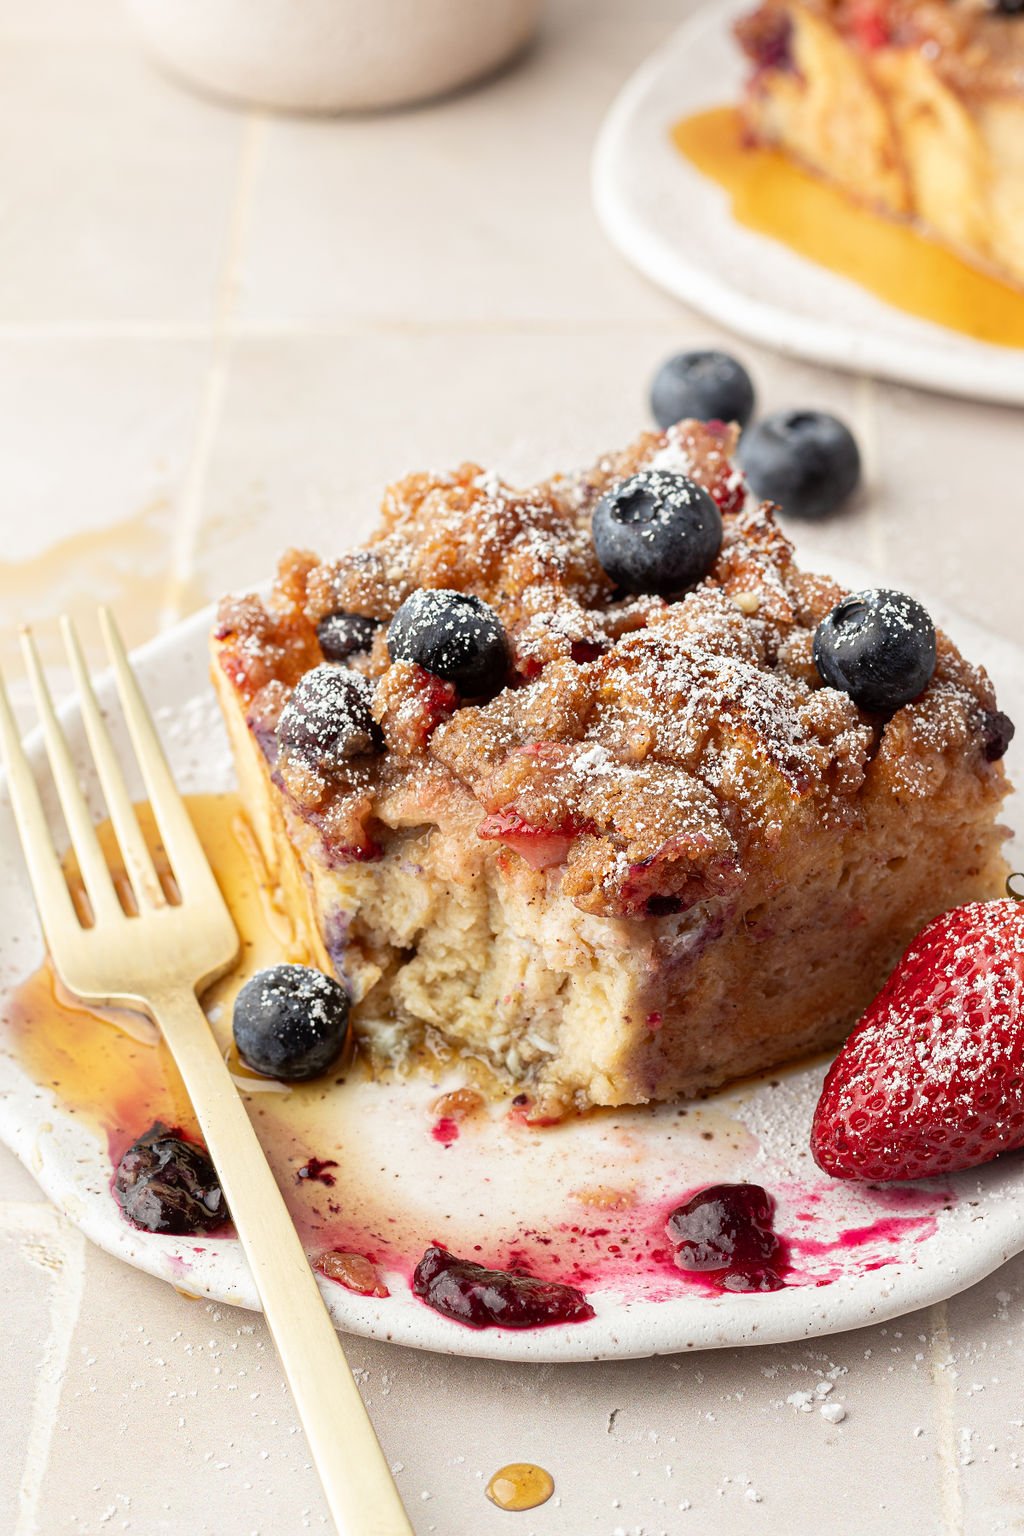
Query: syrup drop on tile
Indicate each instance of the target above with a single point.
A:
(520, 1485)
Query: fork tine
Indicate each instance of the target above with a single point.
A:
(91, 860)
(137, 858)
(188, 859)
(56, 909)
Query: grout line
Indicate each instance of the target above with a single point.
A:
(189, 511)
(253, 139)
(68, 1249)
(865, 415)
(335, 330)
(942, 1372)
(37, 1216)
(114, 330)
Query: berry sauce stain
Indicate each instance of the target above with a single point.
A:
(888, 1233)
(631, 1253)
(445, 1130)
(317, 1168)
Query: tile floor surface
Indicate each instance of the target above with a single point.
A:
(219, 332)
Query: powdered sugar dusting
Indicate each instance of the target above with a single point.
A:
(663, 744)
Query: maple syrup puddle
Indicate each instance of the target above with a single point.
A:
(520, 1485)
(363, 1172)
(775, 197)
(113, 1072)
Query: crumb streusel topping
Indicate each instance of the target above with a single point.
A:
(644, 750)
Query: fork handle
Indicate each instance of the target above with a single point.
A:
(357, 1481)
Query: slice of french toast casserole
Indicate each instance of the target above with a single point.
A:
(613, 838)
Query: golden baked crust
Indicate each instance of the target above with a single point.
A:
(913, 106)
(664, 810)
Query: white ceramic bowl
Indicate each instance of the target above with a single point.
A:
(333, 55)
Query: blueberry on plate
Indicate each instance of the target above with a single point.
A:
(454, 635)
(327, 718)
(807, 461)
(166, 1184)
(879, 647)
(290, 1022)
(342, 634)
(657, 532)
(711, 386)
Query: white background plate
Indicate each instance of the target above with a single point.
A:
(500, 1182)
(676, 226)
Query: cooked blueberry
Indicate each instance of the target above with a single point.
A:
(998, 730)
(327, 718)
(726, 1226)
(1008, 7)
(657, 532)
(807, 461)
(165, 1184)
(290, 1022)
(454, 635)
(711, 386)
(494, 1298)
(342, 635)
(877, 646)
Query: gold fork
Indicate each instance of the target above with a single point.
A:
(156, 961)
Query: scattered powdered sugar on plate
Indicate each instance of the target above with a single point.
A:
(195, 740)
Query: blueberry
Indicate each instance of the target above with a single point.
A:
(807, 461)
(657, 532)
(454, 635)
(877, 646)
(165, 1184)
(290, 1022)
(1008, 7)
(712, 386)
(342, 635)
(327, 718)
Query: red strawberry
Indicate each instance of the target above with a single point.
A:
(541, 847)
(932, 1078)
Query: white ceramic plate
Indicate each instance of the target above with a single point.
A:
(676, 226)
(504, 1189)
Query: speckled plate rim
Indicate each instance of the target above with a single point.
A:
(676, 227)
(982, 1232)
